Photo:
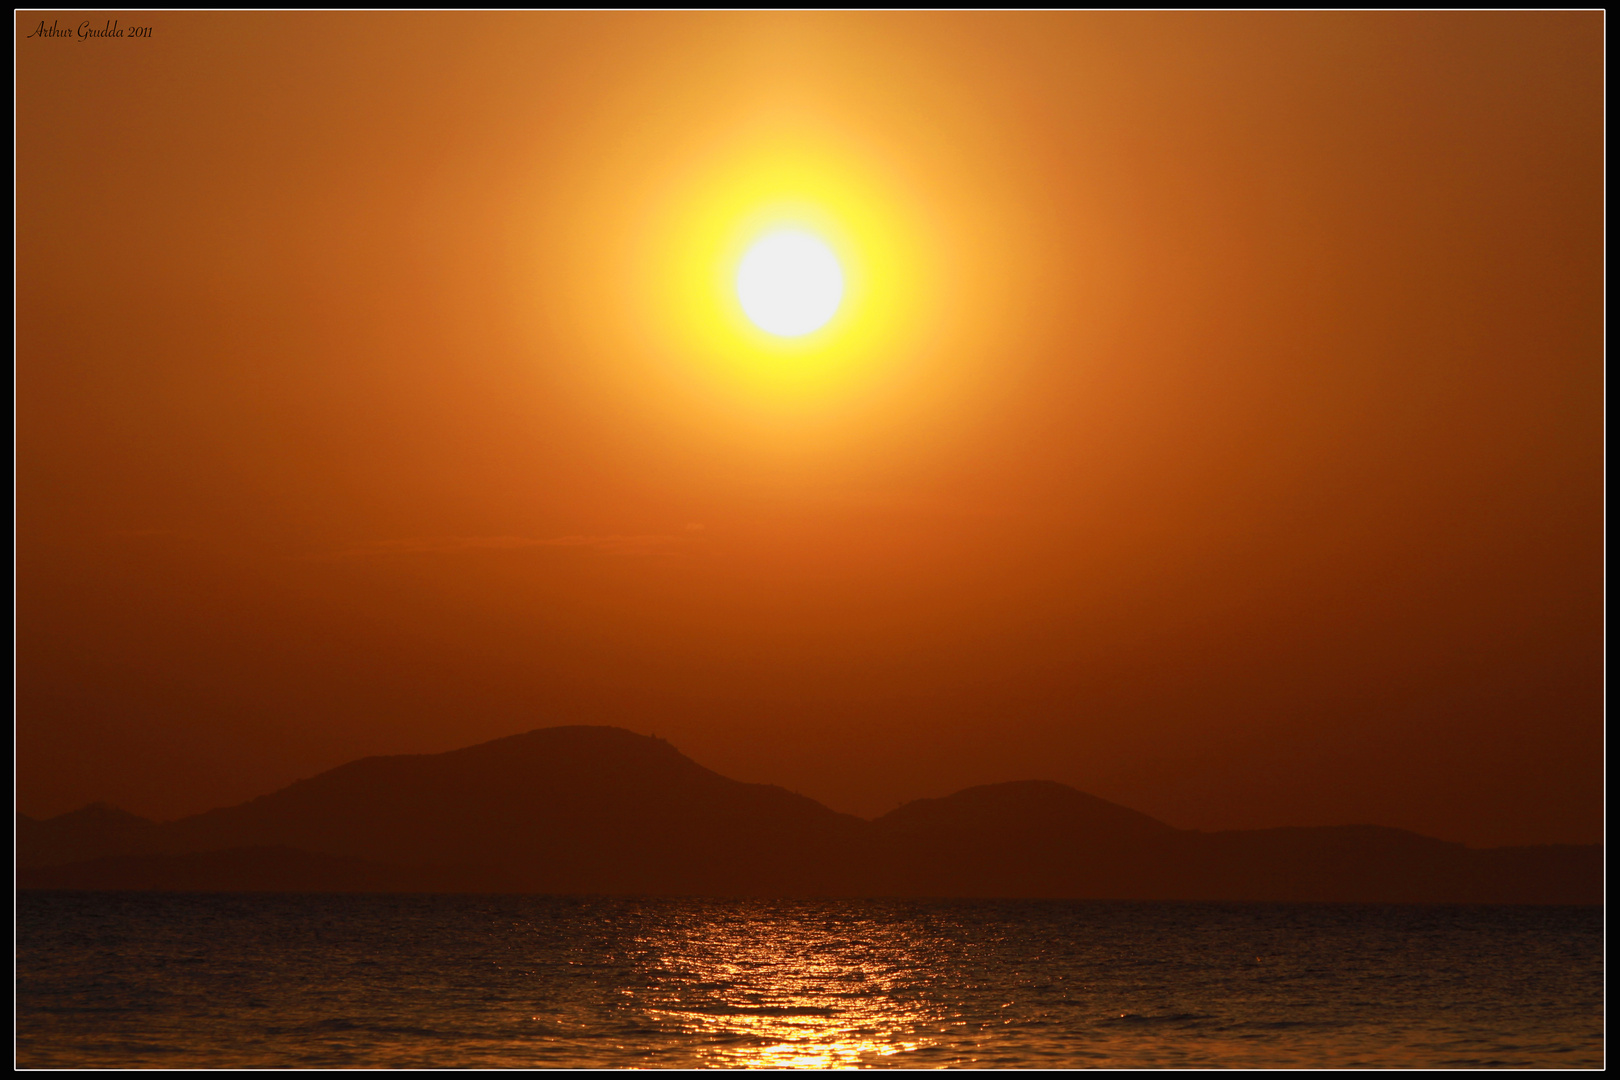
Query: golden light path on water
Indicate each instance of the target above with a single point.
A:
(795, 993)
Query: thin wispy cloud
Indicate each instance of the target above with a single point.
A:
(613, 543)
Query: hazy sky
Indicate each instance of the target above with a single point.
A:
(1225, 438)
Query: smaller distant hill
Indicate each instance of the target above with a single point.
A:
(258, 869)
(90, 832)
(602, 810)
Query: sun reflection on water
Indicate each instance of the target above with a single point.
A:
(794, 992)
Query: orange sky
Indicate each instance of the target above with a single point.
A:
(1235, 453)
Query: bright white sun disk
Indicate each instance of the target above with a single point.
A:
(789, 284)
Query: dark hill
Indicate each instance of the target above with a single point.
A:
(602, 810)
(1027, 838)
(578, 809)
(90, 832)
(575, 809)
(254, 869)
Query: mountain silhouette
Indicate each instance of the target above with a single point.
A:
(566, 809)
(1026, 838)
(87, 833)
(268, 868)
(602, 810)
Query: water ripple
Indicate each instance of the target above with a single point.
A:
(181, 981)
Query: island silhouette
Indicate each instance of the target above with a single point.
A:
(602, 810)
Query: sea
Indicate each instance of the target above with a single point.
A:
(153, 980)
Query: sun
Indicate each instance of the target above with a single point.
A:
(781, 278)
(789, 283)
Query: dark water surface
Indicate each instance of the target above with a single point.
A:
(155, 980)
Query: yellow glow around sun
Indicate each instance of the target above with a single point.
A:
(783, 273)
(790, 283)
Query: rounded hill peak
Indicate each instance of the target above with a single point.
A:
(586, 741)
